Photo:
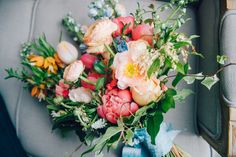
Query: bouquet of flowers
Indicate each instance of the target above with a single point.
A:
(120, 87)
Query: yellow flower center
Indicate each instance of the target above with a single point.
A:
(131, 70)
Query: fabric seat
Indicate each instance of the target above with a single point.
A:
(23, 20)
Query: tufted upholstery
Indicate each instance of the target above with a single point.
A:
(23, 20)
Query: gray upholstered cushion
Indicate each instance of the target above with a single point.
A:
(228, 47)
(26, 19)
(208, 106)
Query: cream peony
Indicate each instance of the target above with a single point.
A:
(99, 34)
(146, 92)
(67, 52)
(73, 71)
(126, 65)
(80, 94)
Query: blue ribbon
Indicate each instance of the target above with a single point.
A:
(142, 146)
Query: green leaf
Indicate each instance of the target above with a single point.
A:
(177, 79)
(193, 37)
(149, 21)
(100, 83)
(221, 59)
(210, 81)
(53, 107)
(191, 79)
(111, 131)
(182, 68)
(169, 101)
(181, 44)
(153, 125)
(141, 112)
(99, 67)
(129, 136)
(182, 95)
(151, 6)
(154, 67)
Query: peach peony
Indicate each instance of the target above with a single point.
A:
(80, 94)
(116, 103)
(99, 34)
(146, 92)
(73, 71)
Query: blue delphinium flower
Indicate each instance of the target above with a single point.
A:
(121, 44)
(108, 12)
(82, 47)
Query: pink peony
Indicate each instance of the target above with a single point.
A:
(121, 21)
(116, 103)
(62, 89)
(88, 60)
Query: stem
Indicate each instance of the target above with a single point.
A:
(195, 75)
(110, 50)
(87, 80)
(172, 14)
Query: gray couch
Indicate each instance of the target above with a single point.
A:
(23, 20)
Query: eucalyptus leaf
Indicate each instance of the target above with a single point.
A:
(210, 81)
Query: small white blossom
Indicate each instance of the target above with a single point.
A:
(93, 12)
(76, 29)
(55, 114)
(99, 124)
(75, 39)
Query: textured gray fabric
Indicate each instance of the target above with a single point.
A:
(228, 47)
(208, 106)
(30, 117)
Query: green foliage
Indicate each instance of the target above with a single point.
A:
(154, 67)
(210, 81)
(110, 132)
(73, 28)
(221, 59)
(182, 95)
(191, 78)
(99, 67)
(153, 125)
(100, 83)
(168, 101)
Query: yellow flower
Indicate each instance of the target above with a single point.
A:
(58, 61)
(131, 70)
(37, 90)
(50, 65)
(36, 60)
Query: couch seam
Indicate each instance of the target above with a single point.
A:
(227, 14)
(30, 35)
